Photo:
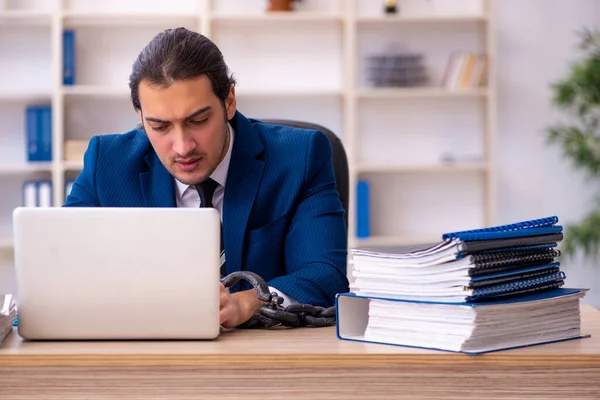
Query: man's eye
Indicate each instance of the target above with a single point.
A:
(159, 128)
(199, 122)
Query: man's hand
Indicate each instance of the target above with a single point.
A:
(239, 307)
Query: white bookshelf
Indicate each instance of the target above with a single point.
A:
(307, 65)
(425, 92)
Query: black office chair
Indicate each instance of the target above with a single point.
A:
(339, 158)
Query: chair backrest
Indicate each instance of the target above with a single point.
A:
(339, 158)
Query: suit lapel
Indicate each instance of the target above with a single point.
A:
(158, 187)
(243, 179)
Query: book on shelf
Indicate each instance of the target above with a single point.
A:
(69, 57)
(38, 132)
(8, 314)
(37, 193)
(469, 282)
(465, 71)
(363, 228)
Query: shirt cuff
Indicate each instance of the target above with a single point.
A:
(286, 299)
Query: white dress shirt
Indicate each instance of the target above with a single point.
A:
(187, 196)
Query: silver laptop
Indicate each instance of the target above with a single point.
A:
(117, 273)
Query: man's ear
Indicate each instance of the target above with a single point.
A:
(230, 104)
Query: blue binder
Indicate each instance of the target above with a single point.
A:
(363, 224)
(38, 132)
(69, 57)
(352, 319)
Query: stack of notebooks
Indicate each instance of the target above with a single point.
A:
(8, 313)
(474, 291)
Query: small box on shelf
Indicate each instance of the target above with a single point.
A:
(397, 69)
(75, 149)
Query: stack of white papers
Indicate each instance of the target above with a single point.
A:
(438, 273)
(475, 328)
(8, 313)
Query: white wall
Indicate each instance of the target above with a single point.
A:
(536, 42)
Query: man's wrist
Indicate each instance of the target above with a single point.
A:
(249, 304)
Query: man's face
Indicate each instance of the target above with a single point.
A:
(187, 126)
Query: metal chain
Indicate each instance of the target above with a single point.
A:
(273, 314)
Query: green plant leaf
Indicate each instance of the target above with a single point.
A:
(578, 95)
(583, 236)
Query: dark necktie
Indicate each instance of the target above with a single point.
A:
(206, 190)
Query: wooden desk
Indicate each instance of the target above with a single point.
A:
(301, 363)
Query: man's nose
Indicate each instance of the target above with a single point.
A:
(183, 144)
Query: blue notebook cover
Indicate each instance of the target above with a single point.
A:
(534, 227)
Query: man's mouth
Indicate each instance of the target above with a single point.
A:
(188, 164)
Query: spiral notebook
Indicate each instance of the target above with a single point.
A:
(536, 233)
(456, 270)
(534, 227)
(459, 291)
(501, 261)
(513, 275)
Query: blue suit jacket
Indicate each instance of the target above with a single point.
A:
(282, 216)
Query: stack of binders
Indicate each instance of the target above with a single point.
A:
(8, 314)
(474, 291)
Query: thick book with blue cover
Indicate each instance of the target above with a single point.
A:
(472, 328)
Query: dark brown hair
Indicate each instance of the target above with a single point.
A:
(179, 54)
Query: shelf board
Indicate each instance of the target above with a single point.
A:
(389, 241)
(288, 93)
(24, 168)
(280, 16)
(419, 92)
(398, 19)
(113, 91)
(7, 252)
(25, 95)
(95, 91)
(79, 18)
(21, 16)
(6, 243)
(449, 167)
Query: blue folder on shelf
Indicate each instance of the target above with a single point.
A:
(471, 328)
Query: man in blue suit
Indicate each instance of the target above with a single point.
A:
(274, 186)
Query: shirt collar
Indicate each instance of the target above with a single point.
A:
(220, 173)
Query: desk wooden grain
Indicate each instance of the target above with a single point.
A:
(309, 363)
